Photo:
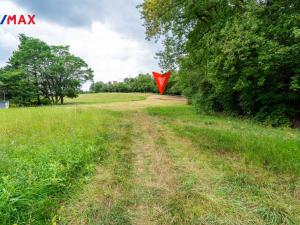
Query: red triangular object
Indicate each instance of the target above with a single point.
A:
(161, 80)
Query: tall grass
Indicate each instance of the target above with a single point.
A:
(44, 153)
(277, 149)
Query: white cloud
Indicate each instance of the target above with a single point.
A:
(112, 55)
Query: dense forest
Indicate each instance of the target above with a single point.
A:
(37, 74)
(241, 57)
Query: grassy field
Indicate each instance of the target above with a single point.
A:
(275, 149)
(106, 98)
(144, 159)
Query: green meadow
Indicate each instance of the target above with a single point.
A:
(144, 159)
(103, 98)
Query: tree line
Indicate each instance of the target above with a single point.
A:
(142, 83)
(38, 73)
(241, 57)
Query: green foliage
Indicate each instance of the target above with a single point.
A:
(215, 166)
(274, 148)
(98, 87)
(41, 74)
(173, 86)
(240, 57)
(44, 154)
(143, 83)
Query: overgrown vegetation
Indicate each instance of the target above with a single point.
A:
(231, 171)
(274, 149)
(239, 57)
(45, 153)
(39, 74)
(79, 164)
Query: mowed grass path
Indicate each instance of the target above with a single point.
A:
(104, 98)
(151, 160)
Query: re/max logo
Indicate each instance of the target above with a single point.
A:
(18, 20)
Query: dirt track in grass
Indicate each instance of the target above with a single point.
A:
(155, 176)
(150, 101)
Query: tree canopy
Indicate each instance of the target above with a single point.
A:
(142, 83)
(235, 56)
(37, 73)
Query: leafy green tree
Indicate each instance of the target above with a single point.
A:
(98, 87)
(121, 87)
(142, 83)
(22, 76)
(173, 86)
(241, 57)
(66, 73)
(38, 73)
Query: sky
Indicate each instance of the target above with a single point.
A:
(107, 34)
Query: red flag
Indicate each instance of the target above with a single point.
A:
(161, 80)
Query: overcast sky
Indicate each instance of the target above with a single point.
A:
(107, 34)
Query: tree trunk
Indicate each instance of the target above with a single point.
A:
(56, 99)
(62, 100)
(38, 99)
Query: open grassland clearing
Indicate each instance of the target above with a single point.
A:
(104, 98)
(152, 161)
